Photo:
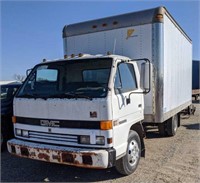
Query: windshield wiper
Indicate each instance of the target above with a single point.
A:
(27, 95)
(62, 95)
(69, 95)
(82, 96)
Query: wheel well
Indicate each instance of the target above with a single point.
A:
(140, 130)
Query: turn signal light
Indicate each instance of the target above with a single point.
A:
(106, 125)
(109, 140)
(14, 119)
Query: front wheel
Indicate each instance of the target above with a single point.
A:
(128, 163)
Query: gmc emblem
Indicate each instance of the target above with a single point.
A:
(50, 123)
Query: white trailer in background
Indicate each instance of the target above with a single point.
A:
(87, 109)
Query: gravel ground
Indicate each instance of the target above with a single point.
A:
(168, 159)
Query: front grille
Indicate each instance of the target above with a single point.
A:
(53, 138)
(62, 123)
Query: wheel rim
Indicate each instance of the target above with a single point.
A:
(133, 153)
(175, 123)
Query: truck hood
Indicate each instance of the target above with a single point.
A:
(63, 109)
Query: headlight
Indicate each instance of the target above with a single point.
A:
(18, 132)
(100, 140)
(85, 139)
(25, 133)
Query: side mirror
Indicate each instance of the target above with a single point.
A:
(28, 72)
(145, 77)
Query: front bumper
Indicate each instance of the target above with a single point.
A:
(82, 157)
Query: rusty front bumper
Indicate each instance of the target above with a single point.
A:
(81, 157)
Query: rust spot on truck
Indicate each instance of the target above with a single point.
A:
(68, 158)
(13, 149)
(32, 154)
(89, 154)
(24, 151)
(76, 162)
(87, 159)
(56, 157)
(43, 156)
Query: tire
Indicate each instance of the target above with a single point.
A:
(128, 163)
(3, 140)
(6, 132)
(162, 129)
(179, 119)
(172, 125)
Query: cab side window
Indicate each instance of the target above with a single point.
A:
(125, 79)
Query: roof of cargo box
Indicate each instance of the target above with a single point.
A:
(119, 21)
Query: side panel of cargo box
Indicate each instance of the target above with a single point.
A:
(177, 75)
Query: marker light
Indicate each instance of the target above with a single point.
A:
(159, 16)
(80, 54)
(115, 23)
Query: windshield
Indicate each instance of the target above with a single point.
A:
(68, 79)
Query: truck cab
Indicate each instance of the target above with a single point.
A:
(84, 111)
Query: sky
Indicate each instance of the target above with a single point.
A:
(32, 30)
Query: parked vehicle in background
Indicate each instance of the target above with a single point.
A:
(8, 89)
(87, 109)
(195, 79)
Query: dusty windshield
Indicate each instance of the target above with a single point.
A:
(69, 79)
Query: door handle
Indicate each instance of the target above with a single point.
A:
(140, 105)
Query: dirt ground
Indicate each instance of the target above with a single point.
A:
(168, 160)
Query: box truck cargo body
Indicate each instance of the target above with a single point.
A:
(87, 109)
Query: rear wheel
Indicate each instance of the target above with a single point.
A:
(162, 129)
(172, 125)
(128, 163)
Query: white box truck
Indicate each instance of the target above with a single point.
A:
(87, 109)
